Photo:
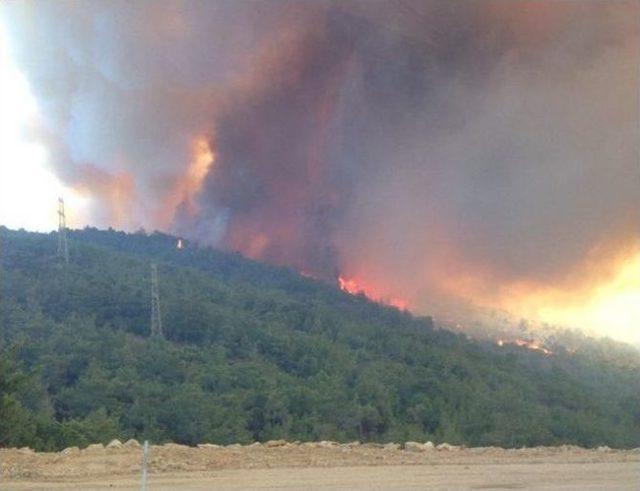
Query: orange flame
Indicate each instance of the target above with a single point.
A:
(198, 169)
(354, 287)
(525, 343)
(187, 186)
(349, 286)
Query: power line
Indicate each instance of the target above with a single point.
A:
(156, 318)
(63, 247)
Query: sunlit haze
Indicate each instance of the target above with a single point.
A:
(28, 189)
(611, 305)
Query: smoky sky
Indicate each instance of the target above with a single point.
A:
(406, 142)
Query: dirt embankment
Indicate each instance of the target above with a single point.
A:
(117, 459)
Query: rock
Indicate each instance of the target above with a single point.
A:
(132, 443)
(413, 447)
(391, 446)
(373, 445)
(255, 444)
(603, 448)
(327, 444)
(446, 447)
(352, 444)
(429, 446)
(275, 443)
(70, 450)
(94, 446)
(26, 450)
(208, 445)
(234, 446)
(114, 444)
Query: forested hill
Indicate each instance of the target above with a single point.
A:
(254, 352)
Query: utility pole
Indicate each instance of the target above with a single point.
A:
(156, 319)
(145, 460)
(63, 247)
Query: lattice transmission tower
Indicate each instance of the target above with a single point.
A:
(156, 318)
(63, 247)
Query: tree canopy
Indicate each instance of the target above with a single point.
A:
(255, 352)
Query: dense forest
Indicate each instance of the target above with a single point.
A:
(255, 352)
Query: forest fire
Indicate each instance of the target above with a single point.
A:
(525, 343)
(349, 286)
(351, 137)
(353, 287)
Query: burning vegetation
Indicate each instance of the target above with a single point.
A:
(353, 287)
(525, 343)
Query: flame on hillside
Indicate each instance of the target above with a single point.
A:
(525, 343)
(355, 287)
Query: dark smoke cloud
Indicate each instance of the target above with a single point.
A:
(124, 86)
(424, 146)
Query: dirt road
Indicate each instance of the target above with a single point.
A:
(322, 467)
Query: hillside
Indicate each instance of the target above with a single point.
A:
(254, 352)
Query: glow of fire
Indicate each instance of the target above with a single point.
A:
(198, 169)
(601, 296)
(255, 246)
(187, 186)
(524, 343)
(355, 287)
(610, 307)
(120, 195)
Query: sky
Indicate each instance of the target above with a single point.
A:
(437, 155)
(29, 188)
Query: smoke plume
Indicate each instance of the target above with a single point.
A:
(435, 151)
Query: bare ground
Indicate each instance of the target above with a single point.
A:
(321, 466)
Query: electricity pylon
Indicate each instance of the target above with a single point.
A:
(156, 319)
(63, 247)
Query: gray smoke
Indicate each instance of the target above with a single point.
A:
(433, 149)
